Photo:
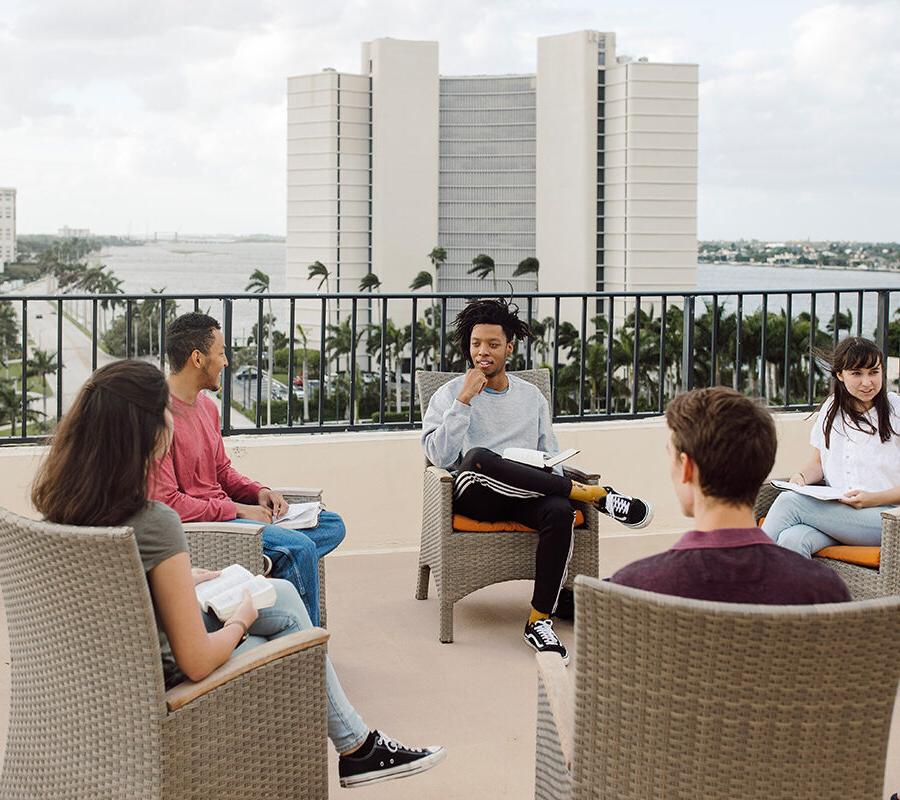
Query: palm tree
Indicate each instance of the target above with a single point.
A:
(528, 266)
(259, 284)
(42, 363)
(370, 282)
(482, 266)
(437, 257)
(422, 280)
(11, 405)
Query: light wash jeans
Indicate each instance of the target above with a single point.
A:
(806, 525)
(295, 555)
(345, 727)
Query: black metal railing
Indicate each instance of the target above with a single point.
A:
(359, 352)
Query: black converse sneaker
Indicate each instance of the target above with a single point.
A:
(541, 636)
(380, 758)
(632, 512)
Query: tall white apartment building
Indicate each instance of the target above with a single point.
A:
(7, 226)
(590, 165)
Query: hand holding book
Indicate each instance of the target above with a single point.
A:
(223, 595)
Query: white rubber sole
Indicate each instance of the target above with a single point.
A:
(565, 658)
(391, 773)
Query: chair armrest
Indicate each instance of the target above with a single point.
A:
(300, 494)
(580, 475)
(889, 569)
(215, 545)
(559, 690)
(439, 474)
(184, 693)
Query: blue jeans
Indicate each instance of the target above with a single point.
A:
(345, 727)
(295, 555)
(806, 525)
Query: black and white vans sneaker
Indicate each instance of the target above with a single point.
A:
(632, 512)
(541, 636)
(384, 759)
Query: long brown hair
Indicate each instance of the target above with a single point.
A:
(96, 470)
(854, 352)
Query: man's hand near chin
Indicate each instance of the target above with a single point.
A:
(274, 501)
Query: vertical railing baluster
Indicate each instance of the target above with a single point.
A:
(636, 355)
(323, 322)
(290, 406)
(813, 328)
(739, 344)
(93, 335)
(59, 359)
(714, 343)
(763, 335)
(662, 355)
(859, 314)
(837, 315)
(787, 349)
(882, 324)
(687, 344)
(443, 364)
(226, 380)
(259, 351)
(24, 372)
(129, 332)
(351, 410)
(583, 356)
(528, 344)
(609, 354)
(162, 333)
(554, 382)
(412, 365)
(196, 305)
(383, 351)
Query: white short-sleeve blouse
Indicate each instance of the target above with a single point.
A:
(855, 459)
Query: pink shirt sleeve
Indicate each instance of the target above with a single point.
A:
(164, 487)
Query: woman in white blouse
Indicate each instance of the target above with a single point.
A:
(857, 450)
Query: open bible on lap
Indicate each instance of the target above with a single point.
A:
(300, 516)
(537, 458)
(222, 595)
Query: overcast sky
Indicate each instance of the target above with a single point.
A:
(167, 115)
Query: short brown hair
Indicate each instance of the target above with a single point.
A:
(730, 437)
(189, 332)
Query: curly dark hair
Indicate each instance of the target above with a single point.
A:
(489, 311)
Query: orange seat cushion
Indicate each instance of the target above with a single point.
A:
(468, 525)
(861, 556)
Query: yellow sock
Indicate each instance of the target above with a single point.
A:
(536, 615)
(585, 492)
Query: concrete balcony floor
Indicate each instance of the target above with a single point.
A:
(475, 696)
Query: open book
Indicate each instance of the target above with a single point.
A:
(819, 492)
(535, 458)
(300, 516)
(222, 595)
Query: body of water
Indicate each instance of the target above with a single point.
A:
(226, 267)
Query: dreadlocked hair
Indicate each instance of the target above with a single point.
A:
(490, 311)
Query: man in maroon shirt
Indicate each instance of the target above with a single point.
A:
(721, 448)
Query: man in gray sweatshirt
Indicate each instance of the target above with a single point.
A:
(473, 418)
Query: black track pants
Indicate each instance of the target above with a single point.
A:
(491, 488)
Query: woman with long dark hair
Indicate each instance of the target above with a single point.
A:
(856, 441)
(96, 474)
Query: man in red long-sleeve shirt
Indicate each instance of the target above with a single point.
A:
(196, 477)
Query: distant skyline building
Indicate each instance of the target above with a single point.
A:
(74, 233)
(590, 165)
(7, 225)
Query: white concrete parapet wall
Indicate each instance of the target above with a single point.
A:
(374, 480)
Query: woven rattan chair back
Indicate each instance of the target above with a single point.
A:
(87, 696)
(693, 699)
(427, 383)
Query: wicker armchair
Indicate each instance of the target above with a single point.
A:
(90, 717)
(688, 699)
(463, 562)
(863, 582)
(215, 545)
